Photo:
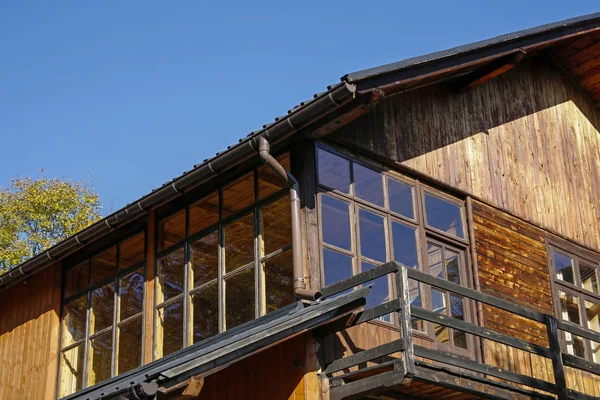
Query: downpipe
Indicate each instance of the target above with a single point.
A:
(300, 290)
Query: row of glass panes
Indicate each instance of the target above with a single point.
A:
(114, 299)
(208, 270)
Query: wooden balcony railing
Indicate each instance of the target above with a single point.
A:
(400, 371)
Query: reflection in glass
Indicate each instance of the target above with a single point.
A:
(131, 251)
(569, 307)
(276, 225)
(171, 274)
(452, 266)
(171, 230)
(239, 243)
(400, 197)
(239, 298)
(588, 277)
(103, 302)
(104, 265)
(457, 311)
(592, 311)
(564, 267)
(204, 213)
(335, 215)
(100, 357)
(405, 245)
(170, 321)
(131, 294)
(337, 266)
(333, 171)
(372, 235)
(77, 278)
(443, 215)
(205, 306)
(238, 195)
(71, 370)
(205, 258)
(130, 346)
(434, 257)
(268, 181)
(74, 320)
(368, 185)
(379, 291)
(279, 278)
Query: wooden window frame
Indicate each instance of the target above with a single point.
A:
(116, 323)
(423, 231)
(257, 264)
(577, 254)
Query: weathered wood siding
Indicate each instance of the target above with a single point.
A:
(512, 264)
(29, 325)
(526, 141)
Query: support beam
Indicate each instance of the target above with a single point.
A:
(489, 71)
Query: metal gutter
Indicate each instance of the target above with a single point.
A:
(230, 346)
(283, 127)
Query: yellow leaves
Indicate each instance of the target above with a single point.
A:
(36, 214)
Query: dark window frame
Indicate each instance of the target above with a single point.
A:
(424, 232)
(577, 254)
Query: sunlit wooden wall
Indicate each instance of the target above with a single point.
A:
(29, 329)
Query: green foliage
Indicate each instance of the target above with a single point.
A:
(38, 213)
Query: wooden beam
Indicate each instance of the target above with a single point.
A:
(149, 290)
(489, 71)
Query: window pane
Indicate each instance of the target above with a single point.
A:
(589, 281)
(592, 311)
(595, 352)
(279, 276)
(204, 213)
(74, 321)
(333, 171)
(564, 267)
(171, 230)
(438, 300)
(575, 345)
(379, 292)
(170, 275)
(100, 356)
(103, 305)
(130, 346)
(131, 294)
(170, 323)
(268, 181)
(337, 266)
(239, 243)
(104, 265)
(368, 185)
(238, 195)
(77, 278)
(276, 225)
(205, 259)
(569, 307)
(131, 251)
(205, 306)
(239, 298)
(457, 311)
(405, 245)
(452, 266)
(372, 235)
(400, 197)
(335, 215)
(443, 215)
(434, 257)
(71, 370)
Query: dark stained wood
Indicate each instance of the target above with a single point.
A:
(489, 71)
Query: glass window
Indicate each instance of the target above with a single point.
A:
(239, 243)
(372, 235)
(238, 195)
(333, 171)
(443, 215)
(276, 223)
(170, 275)
(171, 230)
(368, 185)
(111, 300)
(588, 279)
(170, 337)
(400, 197)
(279, 278)
(204, 213)
(564, 267)
(268, 180)
(205, 259)
(380, 292)
(239, 298)
(337, 266)
(335, 223)
(205, 309)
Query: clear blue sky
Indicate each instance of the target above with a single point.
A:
(130, 94)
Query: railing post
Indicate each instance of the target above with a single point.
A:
(405, 325)
(557, 362)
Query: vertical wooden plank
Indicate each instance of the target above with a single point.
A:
(52, 364)
(404, 323)
(149, 289)
(557, 364)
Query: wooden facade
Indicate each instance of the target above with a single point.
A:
(516, 156)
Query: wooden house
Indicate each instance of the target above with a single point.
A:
(428, 229)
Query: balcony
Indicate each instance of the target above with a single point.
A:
(402, 368)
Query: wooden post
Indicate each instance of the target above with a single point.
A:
(557, 362)
(405, 326)
(149, 290)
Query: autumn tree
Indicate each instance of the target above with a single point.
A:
(37, 213)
